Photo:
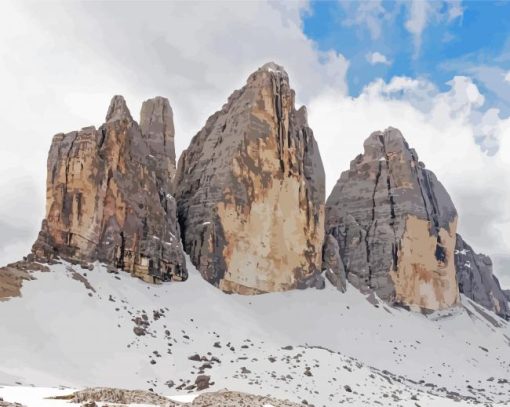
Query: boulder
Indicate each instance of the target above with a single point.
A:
(250, 191)
(476, 281)
(108, 194)
(395, 226)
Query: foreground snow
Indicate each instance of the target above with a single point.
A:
(322, 346)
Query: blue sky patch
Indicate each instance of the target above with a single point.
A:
(469, 38)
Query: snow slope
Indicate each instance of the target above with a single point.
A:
(320, 346)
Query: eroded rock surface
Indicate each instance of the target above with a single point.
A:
(476, 281)
(108, 194)
(118, 396)
(250, 191)
(221, 398)
(395, 225)
(13, 275)
(235, 399)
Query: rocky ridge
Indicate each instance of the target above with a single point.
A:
(250, 191)
(250, 203)
(108, 195)
(222, 398)
(476, 281)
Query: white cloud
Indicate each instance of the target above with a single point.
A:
(422, 12)
(455, 9)
(419, 14)
(507, 77)
(60, 63)
(371, 14)
(377, 58)
(444, 132)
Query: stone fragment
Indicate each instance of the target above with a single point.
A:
(333, 265)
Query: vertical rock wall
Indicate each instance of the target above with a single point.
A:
(250, 191)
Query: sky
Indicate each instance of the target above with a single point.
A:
(437, 70)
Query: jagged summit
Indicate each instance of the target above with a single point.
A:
(271, 70)
(109, 197)
(118, 109)
(273, 67)
(157, 126)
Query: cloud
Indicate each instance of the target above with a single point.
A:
(375, 15)
(60, 63)
(421, 13)
(443, 127)
(454, 9)
(507, 77)
(377, 58)
(369, 14)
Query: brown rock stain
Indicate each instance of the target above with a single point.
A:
(421, 280)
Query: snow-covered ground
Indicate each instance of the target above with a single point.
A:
(320, 346)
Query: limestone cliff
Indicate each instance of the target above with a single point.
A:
(108, 194)
(476, 281)
(250, 191)
(395, 226)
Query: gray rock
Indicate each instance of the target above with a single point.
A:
(476, 281)
(157, 126)
(108, 198)
(332, 263)
(250, 191)
(202, 382)
(395, 226)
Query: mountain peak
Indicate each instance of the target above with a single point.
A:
(273, 67)
(118, 109)
(274, 70)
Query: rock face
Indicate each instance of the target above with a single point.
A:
(157, 125)
(476, 281)
(395, 226)
(332, 263)
(108, 194)
(250, 191)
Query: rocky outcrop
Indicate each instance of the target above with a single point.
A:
(332, 263)
(118, 396)
(108, 194)
(250, 191)
(395, 225)
(221, 398)
(225, 398)
(14, 275)
(476, 281)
